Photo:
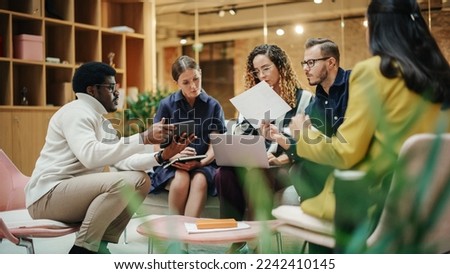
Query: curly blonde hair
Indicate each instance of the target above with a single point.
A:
(288, 78)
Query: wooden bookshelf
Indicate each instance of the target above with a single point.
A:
(73, 31)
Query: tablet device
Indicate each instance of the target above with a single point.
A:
(180, 127)
(185, 159)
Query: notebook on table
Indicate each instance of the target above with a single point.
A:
(239, 150)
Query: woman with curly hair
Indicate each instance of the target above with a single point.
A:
(276, 70)
(240, 189)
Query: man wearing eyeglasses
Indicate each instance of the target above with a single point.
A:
(68, 183)
(327, 110)
(321, 67)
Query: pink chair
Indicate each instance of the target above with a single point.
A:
(16, 225)
(416, 214)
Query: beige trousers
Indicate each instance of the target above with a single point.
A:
(102, 202)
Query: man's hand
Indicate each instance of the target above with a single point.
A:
(179, 144)
(157, 133)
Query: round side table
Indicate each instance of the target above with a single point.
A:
(171, 227)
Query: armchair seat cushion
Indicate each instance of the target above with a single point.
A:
(294, 216)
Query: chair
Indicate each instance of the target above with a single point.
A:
(416, 214)
(16, 225)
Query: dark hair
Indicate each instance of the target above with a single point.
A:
(400, 36)
(327, 47)
(89, 74)
(182, 64)
(288, 79)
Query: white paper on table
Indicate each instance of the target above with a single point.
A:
(192, 228)
(260, 102)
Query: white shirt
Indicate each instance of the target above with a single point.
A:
(81, 141)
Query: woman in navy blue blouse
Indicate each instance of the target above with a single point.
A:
(189, 182)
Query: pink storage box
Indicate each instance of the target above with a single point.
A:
(27, 46)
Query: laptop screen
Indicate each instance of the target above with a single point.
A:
(239, 150)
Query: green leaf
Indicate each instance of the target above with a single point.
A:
(138, 112)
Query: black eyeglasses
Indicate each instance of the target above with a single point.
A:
(111, 87)
(311, 62)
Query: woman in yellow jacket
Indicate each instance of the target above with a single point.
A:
(404, 89)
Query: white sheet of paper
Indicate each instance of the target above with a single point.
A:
(260, 102)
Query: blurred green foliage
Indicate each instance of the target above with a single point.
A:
(139, 112)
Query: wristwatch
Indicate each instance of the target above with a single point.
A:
(159, 158)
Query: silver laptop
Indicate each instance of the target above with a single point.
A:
(239, 150)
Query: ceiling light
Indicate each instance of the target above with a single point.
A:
(197, 47)
(221, 12)
(299, 29)
(183, 40)
(318, 1)
(280, 32)
(233, 11)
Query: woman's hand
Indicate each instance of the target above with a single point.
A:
(187, 166)
(277, 161)
(272, 159)
(298, 122)
(188, 151)
(269, 131)
(179, 147)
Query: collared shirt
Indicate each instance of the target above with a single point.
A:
(327, 111)
(206, 112)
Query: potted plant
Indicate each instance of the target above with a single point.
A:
(139, 113)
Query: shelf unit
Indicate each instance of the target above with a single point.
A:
(75, 31)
